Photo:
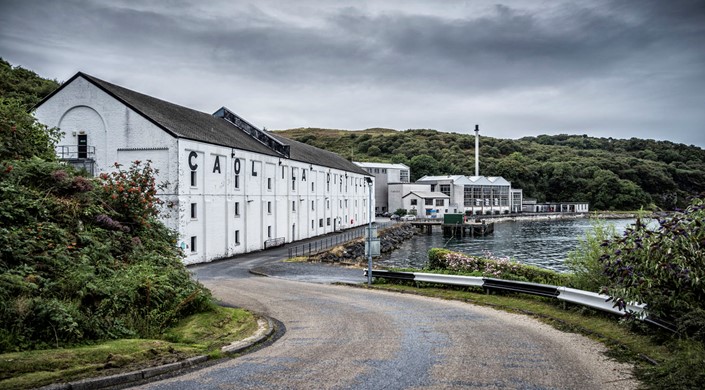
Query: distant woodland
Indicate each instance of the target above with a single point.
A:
(611, 174)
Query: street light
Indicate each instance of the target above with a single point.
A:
(369, 231)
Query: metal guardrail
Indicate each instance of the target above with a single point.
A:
(585, 298)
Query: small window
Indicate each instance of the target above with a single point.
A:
(193, 244)
(194, 208)
(439, 202)
(328, 204)
(312, 222)
(269, 232)
(428, 202)
(313, 186)
(236, 181)
(413, 202)
(237, 237)
(237, 209)
(269, 183)
(320, 222)
(194, 179)
(269, 207)
(384, 170)
(313, 205)
(283, 171)
(328, 221)
(254, 172)
(293, 206)
(293, 183)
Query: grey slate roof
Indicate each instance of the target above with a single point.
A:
(184, 122)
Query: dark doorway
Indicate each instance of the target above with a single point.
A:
(82, 146)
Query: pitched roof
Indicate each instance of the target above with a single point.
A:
(427, 194)
(184, 122)
(380, 165)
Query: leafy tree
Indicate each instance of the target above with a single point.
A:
(423, 165)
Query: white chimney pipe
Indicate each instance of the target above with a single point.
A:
(477, 150)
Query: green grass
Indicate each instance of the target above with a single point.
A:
(200, 334)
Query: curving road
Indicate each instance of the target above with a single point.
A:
(351, 338)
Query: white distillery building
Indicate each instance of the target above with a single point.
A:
(238, 188)
(426, 204)
(385, 174)
(477, 195)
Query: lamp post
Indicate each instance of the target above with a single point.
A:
(369, 231)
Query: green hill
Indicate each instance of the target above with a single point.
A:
(611, 174)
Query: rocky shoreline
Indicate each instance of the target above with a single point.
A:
(353, 252)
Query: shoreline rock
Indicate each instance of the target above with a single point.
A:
(353, 252)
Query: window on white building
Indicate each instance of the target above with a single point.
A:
(313, 186)
(293, 206)
(237, 209)
(328, 221)
(428, 202)
(194, 179)
(269, 232)
(236, 171)
(445, 188)
(194, 209)
(237, 237)
(404, 176)
(193, 244)
(414, 202)
(254, 169)
(269, 207)
(269, 183)
(439, 202)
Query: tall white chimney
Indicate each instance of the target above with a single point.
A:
(477, 150)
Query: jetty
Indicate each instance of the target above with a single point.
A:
(458, 225)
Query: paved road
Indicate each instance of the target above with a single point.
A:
(340, 337)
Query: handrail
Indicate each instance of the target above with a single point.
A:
(70, 152)
(586, 298)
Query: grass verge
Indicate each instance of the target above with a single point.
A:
(200, 334)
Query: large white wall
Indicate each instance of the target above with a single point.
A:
(289, 200)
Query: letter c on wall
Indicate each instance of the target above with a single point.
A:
(192, 164)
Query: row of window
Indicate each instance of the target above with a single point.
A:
(428, 202)
(356, 182)
(194, 207)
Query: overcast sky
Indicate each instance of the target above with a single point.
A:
(623, 68)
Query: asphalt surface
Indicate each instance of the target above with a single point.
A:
(340, 337)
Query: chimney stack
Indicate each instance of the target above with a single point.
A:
(477, 150)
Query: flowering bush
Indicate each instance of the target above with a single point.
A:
(133, 193)
(490, 265)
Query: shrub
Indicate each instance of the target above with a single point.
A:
(584, 261)
(77, 265)
(492, 267)
(662, 267)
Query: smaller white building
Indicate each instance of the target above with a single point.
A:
(426, 204)
(385, 174)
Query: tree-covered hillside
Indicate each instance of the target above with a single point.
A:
(23, 85)
(611, 174)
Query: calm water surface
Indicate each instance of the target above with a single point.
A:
(542, 243)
